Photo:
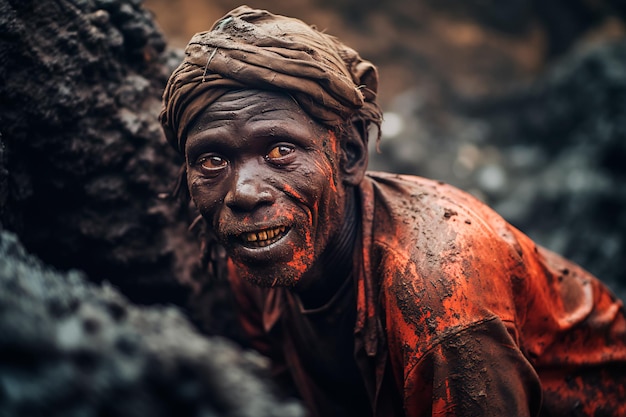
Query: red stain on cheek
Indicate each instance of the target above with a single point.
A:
(301, 261)
(333, 156)
(333, 142)
(330, 174)
(293, 193)
(302, 247)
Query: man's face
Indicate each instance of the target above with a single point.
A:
(266, 177)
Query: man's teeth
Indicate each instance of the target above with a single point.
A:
(263, 234)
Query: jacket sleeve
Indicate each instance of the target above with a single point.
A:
(477, 371)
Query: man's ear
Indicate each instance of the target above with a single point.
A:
(354, 154)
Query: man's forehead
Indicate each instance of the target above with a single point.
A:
(254, 113)
(251, 103)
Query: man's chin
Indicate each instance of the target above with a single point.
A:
(269, 276)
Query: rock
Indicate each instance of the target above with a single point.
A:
(82, 158)
(72, 348)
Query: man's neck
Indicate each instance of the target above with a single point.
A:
(336, 262)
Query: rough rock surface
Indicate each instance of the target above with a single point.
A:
(82, 161)
(72, 348)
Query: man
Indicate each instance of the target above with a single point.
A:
(374, 294)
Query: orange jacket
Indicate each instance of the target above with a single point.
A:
(460, 314)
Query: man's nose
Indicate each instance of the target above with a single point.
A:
(250, 188)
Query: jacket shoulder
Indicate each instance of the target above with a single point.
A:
(446, 260)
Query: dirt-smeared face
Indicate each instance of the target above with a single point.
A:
(266, 177)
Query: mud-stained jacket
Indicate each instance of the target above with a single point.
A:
(460, 314)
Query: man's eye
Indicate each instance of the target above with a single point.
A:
(212, 163)
(279, 152)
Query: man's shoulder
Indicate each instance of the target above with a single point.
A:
(414, 192)
(435, 227)
(442, 255)
(421, 214)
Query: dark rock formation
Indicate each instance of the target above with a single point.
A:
(547, 155)
(562, 142)
(71, 348)
(82, 161)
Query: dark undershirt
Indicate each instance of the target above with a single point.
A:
(324, 339)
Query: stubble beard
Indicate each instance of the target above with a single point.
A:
(269, 277)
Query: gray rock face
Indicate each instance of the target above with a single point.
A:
(562, 142)
(547, 155)
(71, 348)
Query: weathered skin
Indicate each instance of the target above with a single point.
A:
(258, 164)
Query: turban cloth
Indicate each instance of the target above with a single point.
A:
(255, 49)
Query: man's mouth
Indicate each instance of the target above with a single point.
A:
(263, 237)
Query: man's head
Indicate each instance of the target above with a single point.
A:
(271, 182)
(271, 116)
(251, 48)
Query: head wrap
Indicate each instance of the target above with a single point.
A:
(256, 49)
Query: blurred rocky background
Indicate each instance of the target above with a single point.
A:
(522, 103)
(69, 348)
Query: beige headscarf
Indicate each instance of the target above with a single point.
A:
(251, 48)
